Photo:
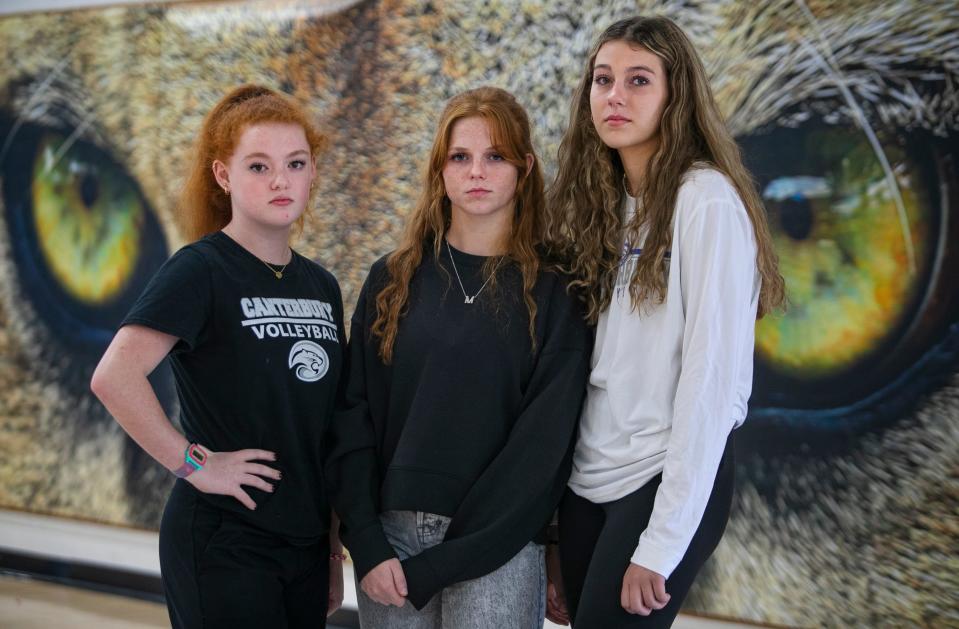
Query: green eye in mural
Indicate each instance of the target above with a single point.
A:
(87, 218)
(858, 235)
(82, 237)
(853, 256)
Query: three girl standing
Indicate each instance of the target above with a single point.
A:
(452, 441)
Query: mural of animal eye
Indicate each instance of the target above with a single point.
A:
(81, 241)
(87, 218)
(82, 236)
(855, 242)
(845, 467)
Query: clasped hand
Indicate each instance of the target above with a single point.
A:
(386, 583)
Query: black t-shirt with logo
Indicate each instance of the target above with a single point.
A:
(257, 365)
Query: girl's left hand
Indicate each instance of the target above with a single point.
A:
(643, 590)
(336, 586)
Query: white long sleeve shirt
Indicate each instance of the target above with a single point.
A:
(670, 381)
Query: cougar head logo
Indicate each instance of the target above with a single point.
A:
(309, 361)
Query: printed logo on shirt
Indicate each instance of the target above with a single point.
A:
(627, 267)
(308, 361)
(272, 317)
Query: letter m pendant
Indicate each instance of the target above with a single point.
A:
(469, 299)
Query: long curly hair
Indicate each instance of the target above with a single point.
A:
(510, 133)
(585, 202)
(203, 205)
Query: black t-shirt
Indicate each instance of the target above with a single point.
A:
(257, 365)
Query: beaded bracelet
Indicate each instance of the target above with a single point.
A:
(337, 557)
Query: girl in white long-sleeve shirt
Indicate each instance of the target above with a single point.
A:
(664, 228)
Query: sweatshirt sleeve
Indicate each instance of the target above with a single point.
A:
(517, 493)
(351, 469)
(719, 292)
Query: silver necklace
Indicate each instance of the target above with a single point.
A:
(467, 298)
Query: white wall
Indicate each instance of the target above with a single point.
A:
(116, 547)
(120, 548)
(30, 6)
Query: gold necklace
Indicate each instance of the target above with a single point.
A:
(278, 274)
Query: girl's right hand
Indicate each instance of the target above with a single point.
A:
(225, 473)
(556, 610)
(386, 583)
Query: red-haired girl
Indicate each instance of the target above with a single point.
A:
(467, 371)
(254, 333)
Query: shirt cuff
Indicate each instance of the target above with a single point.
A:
(422, 582)
(654, 558)
(368, 549)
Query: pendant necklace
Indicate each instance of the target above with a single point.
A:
(278, 274)
(468, 299)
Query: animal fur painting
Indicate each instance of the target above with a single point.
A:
(847, 113)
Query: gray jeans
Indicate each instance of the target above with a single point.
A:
(513, 596)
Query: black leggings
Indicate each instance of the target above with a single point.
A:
(218, 571)
(598, 540)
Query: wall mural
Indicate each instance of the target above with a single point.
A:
(848, 114)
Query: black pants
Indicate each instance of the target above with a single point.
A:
(598, 540)
(219, 571)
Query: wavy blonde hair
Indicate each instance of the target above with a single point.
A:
(510, 133)
(584, 203)
(203, 204)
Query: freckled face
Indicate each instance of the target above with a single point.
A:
(479, 181)
(628, 96)
(268, 175)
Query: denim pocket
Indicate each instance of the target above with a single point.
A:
(431, 528)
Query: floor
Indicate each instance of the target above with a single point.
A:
(30, 604)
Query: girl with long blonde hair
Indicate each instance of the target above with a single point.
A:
(666, 235)
(467, 371)
(253, 332)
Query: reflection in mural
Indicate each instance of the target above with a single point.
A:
(848, 114)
